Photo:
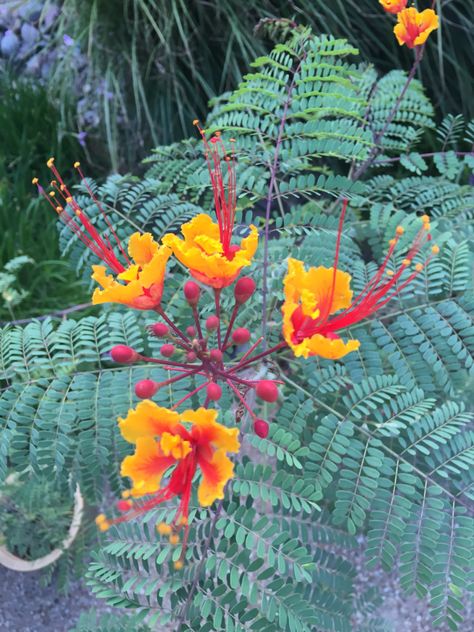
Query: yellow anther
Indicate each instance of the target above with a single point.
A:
(419, 267)
(400, 230)
(435, 250)
(426, 226)
(406, 262)
(103, 526)
(174, 539)
(53, 183)
(69, 200)
(63, 187)
(178, 565)
(59, 209)
(196, 122)
(77, 213)
(163, 528)
(50, 162)
(392, 242)
(77, 164)
(100, 519)
(183, 520)
(126, 493)
(35, 181)
(389, 273)
(52, 193)
(425, 218)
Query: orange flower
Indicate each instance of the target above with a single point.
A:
(143, 279)
(319, 302)
(207, 249)
(413, 28)
(187, 442)
(202, 252)
(393, 6)
(142, 273)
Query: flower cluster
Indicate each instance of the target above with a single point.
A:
(413, 27)
(319, 305)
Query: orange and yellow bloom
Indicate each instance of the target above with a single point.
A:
(183, 443)
(207, 249)
(393, 6)
(142, 281)
(319, 302)
(140, 274)
(202, 251)
(414, 27)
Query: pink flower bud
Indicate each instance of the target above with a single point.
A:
(241, 335)
(214, 391)
(212, 323)
(167, 350)
(146, 388)
(243, 290)
(124, 505)
(216, 355)
(191, 356)
(192, 292)
(123, 354)
(267, 390)
(191, 331)
(261, 428)
(160, 330)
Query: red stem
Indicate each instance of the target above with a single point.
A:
(217, 299)
(231, 324)
(241, 364)
(183, 399)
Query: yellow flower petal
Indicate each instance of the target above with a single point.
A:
(174, 445)
(147, 420)
(215, 474)
(142, 248)
(146, 467)
(413, 28)
(210, 431)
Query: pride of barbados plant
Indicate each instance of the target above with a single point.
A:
(370, 335)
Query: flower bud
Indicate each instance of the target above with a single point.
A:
(123, 354)
(167, 350)
(124, 505)
(160, 330)
(216, 355)
(191, 331)
(212, 323)
(192, 292)
(243, 290)
(191, 356)
(146, 388)
(267, 390)
(241, 335)
(214, 391)
(261, 428)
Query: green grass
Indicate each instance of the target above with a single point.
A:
(28, 136)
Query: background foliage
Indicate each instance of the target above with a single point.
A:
(380, 443)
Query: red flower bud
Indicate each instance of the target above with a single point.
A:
(243, 290)
(123, 354)
(216, 355)
(160, 330)
(191, 331)
(167, 350)
(267, 390)
(124, 505)
(214, 391)
(191, 356)
(146, 388)
(261, 428)
(212, 323)
(241, 335)
(192, 292)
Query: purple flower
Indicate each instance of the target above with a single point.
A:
(81, 137)
(67, 39)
